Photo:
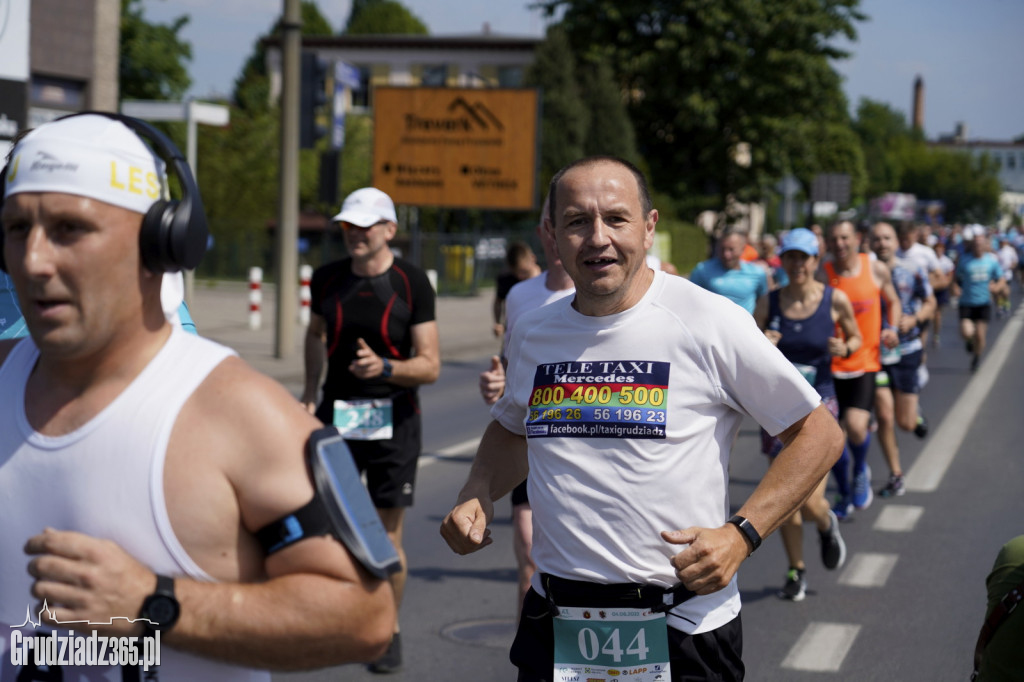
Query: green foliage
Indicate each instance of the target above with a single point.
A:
(610, 131)
(376, 17)
(152, 56)
(564, 116)
(252, 87)
(703, 76)
(239, 165)
(969, 185)
(899, 160)
(826, 147)
(885, 139)
(689, 244)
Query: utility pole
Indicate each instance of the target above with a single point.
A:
(287, 251)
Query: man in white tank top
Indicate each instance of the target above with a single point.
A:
(137, 461)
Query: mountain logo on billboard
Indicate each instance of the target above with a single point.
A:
(465, 118)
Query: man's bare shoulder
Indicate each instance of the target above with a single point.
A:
(253, 431)
(240, 398)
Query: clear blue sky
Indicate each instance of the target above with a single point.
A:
(969, 52)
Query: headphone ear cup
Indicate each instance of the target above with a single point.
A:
(189, 233)
(154, 244)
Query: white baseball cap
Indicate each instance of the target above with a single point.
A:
(92, 156)
(366, 207)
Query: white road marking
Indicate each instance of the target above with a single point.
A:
(867, 569)
(898, 518)
(822, 647)
(927, 472)
(466, 447)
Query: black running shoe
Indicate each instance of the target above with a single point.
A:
(391, 661)
(833, 549)
(795, 588)
(921, 428)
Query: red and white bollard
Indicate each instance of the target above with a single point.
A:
(305, 296)
(255, 297)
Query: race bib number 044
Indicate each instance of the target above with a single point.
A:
(599, 399)
(627, 645)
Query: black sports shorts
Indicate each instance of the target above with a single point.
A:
(982, 313)
(858, 392)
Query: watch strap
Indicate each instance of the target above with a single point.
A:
(748, 530)
(388, 369)
(165, 590)
(164, 585)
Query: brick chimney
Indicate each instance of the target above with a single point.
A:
(918, 118)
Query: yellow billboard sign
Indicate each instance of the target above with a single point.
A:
(456, 147)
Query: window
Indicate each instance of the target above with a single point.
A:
(57, 92)
(361, 96)
(434, 75)
(510, 76)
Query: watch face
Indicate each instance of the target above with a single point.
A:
(162, 611)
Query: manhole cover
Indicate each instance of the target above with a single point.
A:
(497, 633)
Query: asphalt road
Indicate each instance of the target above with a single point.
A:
(906, 606)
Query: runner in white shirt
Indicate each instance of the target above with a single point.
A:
(623, 403)
(549, 286)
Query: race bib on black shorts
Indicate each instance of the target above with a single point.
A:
(599, 399)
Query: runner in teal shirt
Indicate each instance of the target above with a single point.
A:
(978, 277)
(725, 274)
(12, 324)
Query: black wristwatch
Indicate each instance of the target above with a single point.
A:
(388, 368)
(748, 530)
(161, 608)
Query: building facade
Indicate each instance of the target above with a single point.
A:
(483, 60)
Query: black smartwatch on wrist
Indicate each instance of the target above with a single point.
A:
(748, 531)
(388, 368)
(161, 608)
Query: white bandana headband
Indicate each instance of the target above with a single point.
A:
(91, 156)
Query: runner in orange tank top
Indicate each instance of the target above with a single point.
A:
(864, 281)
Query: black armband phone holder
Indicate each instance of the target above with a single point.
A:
(340, 507)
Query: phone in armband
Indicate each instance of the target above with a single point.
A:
(340, 507)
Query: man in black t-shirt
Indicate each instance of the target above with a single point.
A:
(372, 320)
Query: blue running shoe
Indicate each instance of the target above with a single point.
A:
(843, 507)
(862, 494)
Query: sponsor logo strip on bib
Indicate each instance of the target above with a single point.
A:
(599, 399)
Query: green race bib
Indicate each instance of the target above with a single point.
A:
(630, 645)
(364, 419)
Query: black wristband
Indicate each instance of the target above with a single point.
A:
(748, 531)
(848, 352)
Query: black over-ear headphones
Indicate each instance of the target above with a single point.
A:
(174, 232)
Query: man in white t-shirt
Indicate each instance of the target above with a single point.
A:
(547, 287)
(622, 403)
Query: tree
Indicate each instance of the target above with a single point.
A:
(564, 116)
(239, 165)
(375, 17)
(609, 130)
(152, 56)
(899, 160)
(885, 139)
(703, 77)
(968, 185)
(252, 87)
